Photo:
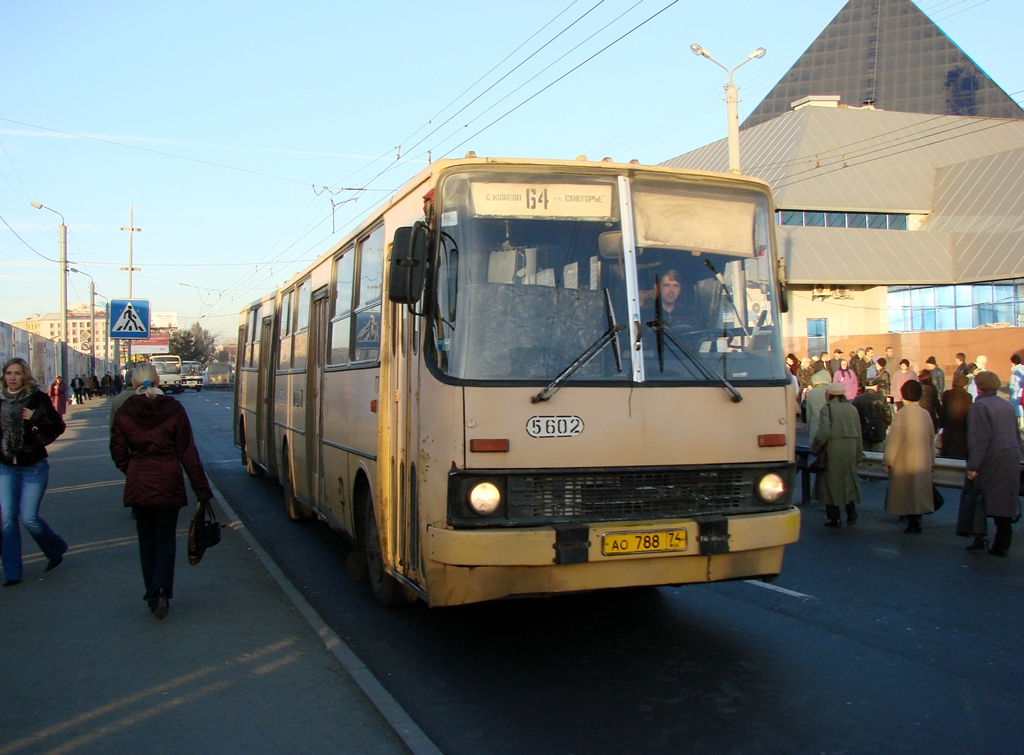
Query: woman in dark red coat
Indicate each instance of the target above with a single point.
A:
(151, 441)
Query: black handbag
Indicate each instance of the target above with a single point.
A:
(970, 521)
(204, 531)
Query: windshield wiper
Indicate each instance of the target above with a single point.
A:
(728, 295)
(609, 336)
(663, 330)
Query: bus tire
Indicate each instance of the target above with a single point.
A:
(250, 466)
(388, 591)
(297, 512)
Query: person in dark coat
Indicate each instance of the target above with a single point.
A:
(833, 363)
(993, 459)
(839, 429)
(956, 403)
(884, 379)
(820, 363)
(875, 415)
(938, 376)
(929, 397)
(961, 364)
(151, 441)
(859, 363)
(28, 423)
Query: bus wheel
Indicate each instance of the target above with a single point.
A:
(388, 590)
(250, 466)
(297, 511)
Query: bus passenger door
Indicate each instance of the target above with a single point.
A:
(401, 473)
(265, 401)
(317, 354)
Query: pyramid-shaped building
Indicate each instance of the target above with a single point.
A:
(889, 54)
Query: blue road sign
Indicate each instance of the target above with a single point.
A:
(129, 318)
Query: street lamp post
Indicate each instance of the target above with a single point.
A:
(731, 102)
(63, 242)
(92, 319)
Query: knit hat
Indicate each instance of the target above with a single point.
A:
(911, 391)
(986, 380)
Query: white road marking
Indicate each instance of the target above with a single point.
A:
(776, 588)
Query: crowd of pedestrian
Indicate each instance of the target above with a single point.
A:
(855, 404)
(87, 387)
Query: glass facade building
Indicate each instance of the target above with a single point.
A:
(890, 54)
(959, 307)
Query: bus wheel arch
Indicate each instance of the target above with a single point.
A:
(388, 591)
(250, 466)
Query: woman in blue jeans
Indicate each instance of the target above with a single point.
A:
(28, 423)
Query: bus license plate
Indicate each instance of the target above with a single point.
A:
(651, 541)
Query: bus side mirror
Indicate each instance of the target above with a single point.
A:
(408, 264)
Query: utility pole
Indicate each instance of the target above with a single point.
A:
(131, 235)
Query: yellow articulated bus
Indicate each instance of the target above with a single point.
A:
(530, 377)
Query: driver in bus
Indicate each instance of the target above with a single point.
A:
(674, 312)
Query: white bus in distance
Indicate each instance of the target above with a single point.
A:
(168, 367)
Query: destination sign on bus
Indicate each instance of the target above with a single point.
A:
(575, 201)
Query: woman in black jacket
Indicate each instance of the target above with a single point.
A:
(28, 423)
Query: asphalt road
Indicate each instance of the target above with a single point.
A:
(870, 641)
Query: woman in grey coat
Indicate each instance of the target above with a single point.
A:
(839, 428)
(993, 459)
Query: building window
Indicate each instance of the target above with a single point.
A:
(817, 335)
(892, 221)
(960, 307)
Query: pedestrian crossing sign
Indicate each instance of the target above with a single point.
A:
(129, 318)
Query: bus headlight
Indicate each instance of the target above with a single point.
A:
(484, 498)
(771, 488)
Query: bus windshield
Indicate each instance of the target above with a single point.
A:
(532, 269)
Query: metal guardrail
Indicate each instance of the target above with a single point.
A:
(946, 473)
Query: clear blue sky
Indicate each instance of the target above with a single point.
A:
(223, 122)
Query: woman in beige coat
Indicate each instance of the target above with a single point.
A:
(908, 460)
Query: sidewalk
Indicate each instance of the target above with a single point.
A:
(235, 666)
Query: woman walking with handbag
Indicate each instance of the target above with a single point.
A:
(839, 432)
(28, 423)
(151, 441)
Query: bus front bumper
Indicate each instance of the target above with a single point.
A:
(478, 565)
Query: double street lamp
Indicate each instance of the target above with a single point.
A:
(731, 101)
(92, 319)
(63, 241)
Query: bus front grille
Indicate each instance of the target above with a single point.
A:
(630, 495)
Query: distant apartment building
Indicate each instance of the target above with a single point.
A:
(80, 328)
